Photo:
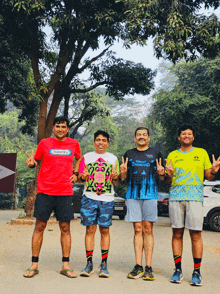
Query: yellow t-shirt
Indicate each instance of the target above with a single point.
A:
(189, 167)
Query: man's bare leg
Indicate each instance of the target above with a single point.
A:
(197, 244)
(105, 238)
(177, 241)
(148, 241)
(37, 240)
(138, 242)
(90, 237)
(66, 245)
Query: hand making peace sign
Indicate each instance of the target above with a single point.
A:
(169, 168)
(114, 174)
(30, 161)
(215, 164)
(160, 168)
(124, 165)
(85, 173)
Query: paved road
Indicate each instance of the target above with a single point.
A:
(15, 256)
(7, 215)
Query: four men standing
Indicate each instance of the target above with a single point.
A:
(99, 171)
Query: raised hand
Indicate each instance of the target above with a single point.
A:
(215, 164)
(160, 168)
(30, 161)
(85, 175)
(124, 165)
(114, 174)
(169, 168)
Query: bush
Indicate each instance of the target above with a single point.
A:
(6, 200)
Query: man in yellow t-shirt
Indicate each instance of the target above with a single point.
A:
(185, 171)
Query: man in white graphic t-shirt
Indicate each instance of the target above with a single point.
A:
(99, 171)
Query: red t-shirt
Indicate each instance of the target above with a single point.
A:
(57, 165)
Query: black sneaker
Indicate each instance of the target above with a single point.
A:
(148, 274)
(136, 273)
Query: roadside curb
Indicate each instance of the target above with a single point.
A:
(20, 221)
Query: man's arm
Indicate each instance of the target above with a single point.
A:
(74, 177)
(114, 175)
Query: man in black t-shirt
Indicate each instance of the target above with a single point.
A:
(140, 169)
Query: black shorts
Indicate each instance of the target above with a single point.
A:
(61, 205)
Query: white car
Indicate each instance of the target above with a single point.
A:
(211, 204)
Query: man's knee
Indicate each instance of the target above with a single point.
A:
(178, 233)
(90, 230)
(195, 235)
(40, 226)
(138, 228)
(64, 227)
(148, 228)
(104, 231)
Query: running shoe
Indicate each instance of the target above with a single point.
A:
(88, 270)
(196, 279)
(104, 273)
(148, 274)
(177, 277)
(136, 273)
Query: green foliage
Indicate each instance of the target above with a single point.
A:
(6, 200)
(195, 99)
(13, 141)
(179, 31)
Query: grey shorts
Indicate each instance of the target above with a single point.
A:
(141, 209)
(186, 214)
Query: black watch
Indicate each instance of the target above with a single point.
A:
(76, 173)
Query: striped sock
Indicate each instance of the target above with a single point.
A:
(197, 264)
(104, 256)
(177, 261)
(89, 255)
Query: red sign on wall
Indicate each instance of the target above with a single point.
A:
(7, 172)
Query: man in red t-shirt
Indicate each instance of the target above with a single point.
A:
(54, 190)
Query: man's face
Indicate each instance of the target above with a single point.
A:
(141, 138)
(60, 131)
(101, 144)
(186, 137)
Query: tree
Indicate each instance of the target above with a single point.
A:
(178, 29)
(77, 26)
(195, 99)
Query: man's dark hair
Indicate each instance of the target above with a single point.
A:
(61, 119)
(141, 128)
(186, 127)
(103, 133)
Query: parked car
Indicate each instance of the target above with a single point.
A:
(120, 208)
(211, 205)
(163, 203)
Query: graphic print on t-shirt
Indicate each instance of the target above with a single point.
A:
(100, 177)
(142, 176)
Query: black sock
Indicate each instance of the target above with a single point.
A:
(104, 255)
(177, 261)
(89, 255)
(197, 264)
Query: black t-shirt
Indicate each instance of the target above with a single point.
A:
(142, 174)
